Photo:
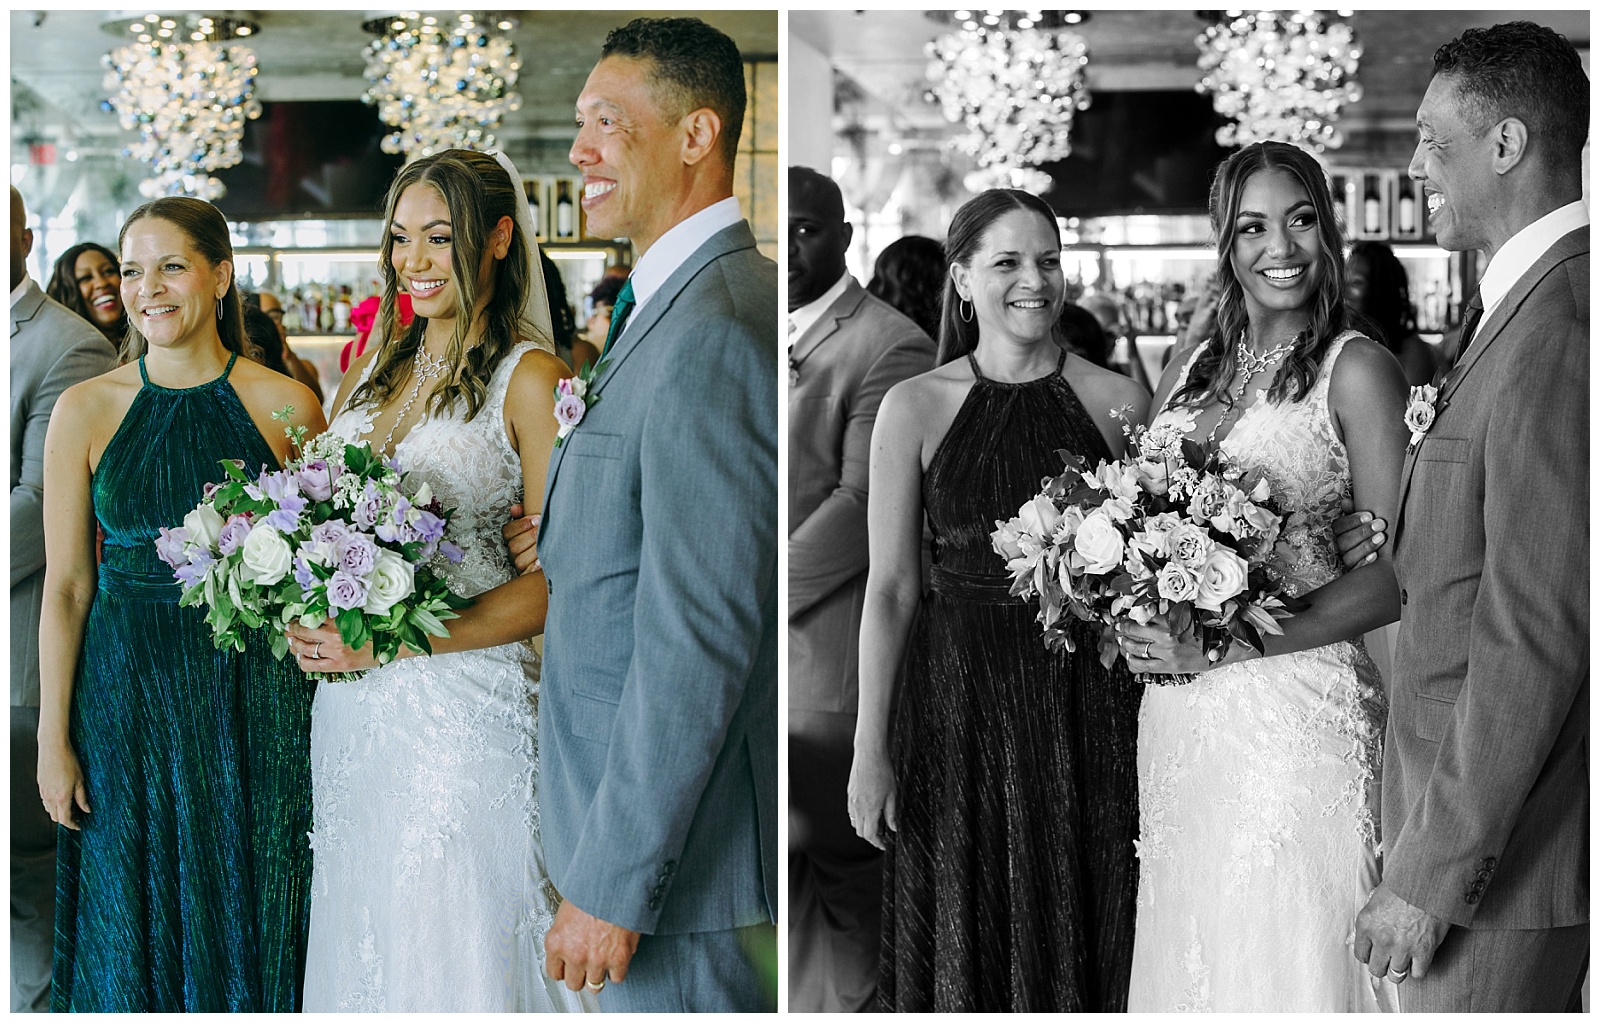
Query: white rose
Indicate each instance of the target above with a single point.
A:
(424, 496)
(266, 556)
(1039, 517)
(1174, 582)
(1223, 577)
(204, 526)
(392, 581)
(1099, 542)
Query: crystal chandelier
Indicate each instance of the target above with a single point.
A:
(188, 90)
(1015, 88)
(1279, 75)
(444, 82)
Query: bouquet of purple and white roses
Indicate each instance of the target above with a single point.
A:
(333, 534)
(1167, 531)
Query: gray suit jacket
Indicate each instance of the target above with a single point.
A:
(52, 348)
(1485, 776)
(849, 358)
(658, 721)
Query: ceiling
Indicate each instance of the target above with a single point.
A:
(882, 52)
(316, 54)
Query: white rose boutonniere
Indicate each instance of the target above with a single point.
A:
(1420, 412)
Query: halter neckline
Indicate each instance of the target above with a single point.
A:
(232, 358)
(978, 373)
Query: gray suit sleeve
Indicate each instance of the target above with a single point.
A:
(829, 548)
(1528, 649)
(707, 571)
(87, 358)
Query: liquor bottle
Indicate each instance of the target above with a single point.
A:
(534, 190)
(1406, 209)
(341, 310)
(1372, 208)
(291, 314)
(564, 220)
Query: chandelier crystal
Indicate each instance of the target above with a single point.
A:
(445, 81)
(188, 91)
(1279, 75)
(1015, 91)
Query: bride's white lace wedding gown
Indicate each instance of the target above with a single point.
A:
(429, 890)
(1258, 783)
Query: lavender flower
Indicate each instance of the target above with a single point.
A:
(304, 576)
(284, 520)
(368, 508)
(233, 533)
(316, 479)
(356, 554)
(329, 532)
(170, 544)
(346, 591)
(570, 410)
(200, 560)
(451, 552)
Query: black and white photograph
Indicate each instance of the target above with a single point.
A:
(1188, 517)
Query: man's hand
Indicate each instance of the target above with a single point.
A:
(1358, 536)
(582, 950)
(522, 540)
(1396, 939)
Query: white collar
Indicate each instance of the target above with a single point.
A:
(1519, 254)
(675, 247)
(20, 290)
(802, 319)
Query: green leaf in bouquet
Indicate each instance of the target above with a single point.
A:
(1194, 455)
(1072, 461)
(1244, 631)
(352, 623)
(1261, 619)
(428, 622)
(233, 470)
(357, 460)
(250, 618)
(1181, 618)
(1109, 650)
(456, 601)
(280, 645)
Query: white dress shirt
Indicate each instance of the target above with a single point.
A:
(1519, 254)
(801, 319)
(675, 247)
(20, 290)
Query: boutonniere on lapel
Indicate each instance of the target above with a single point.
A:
(574, 395)
(1420, 412)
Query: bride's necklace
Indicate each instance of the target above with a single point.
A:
(1249, 364)
(424, 367)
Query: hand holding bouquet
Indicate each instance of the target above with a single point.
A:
(332, 535)
(1167, 532)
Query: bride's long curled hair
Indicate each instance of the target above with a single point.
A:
(478, 192)
(1212, 378)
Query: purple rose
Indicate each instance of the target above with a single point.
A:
(451, 552)
(316, 480)
(200, 560)
(368, 508)
(329, 532)
(346, 591)
(570, 410)
(233, 533)
(356, 553)
(170, 544)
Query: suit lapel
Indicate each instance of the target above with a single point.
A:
(1574, 243)
(829, 323)
(730, 239)
(27, 306)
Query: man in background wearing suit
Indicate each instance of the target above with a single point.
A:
(52, 348)
(1484, 903)
(658, 717)
(846, 349)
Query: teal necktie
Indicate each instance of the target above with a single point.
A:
(619, 315)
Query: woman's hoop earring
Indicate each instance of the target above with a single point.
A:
(219, 310)
(965, 310)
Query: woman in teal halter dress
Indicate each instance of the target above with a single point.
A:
(180, 773)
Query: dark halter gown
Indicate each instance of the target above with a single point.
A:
(188, 887)
(1010, 883)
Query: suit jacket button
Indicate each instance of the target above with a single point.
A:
(655, 902)
(550, 587)
(1472, 899)
(1489, 862)
(1402, 597)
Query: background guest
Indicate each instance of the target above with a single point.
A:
(1124, 351)
(265, 345)
(602, 299)
(1375, 285)
(909, 275)
(847, 348)
(51, 349)
(572, 349)
(86, 280)
(1078, 332)
(297, 367)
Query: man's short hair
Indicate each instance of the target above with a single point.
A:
(1523, 70)
(831, 200)
(694, 66)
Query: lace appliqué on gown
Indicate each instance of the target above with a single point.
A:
(1258, 782)
(429, 891)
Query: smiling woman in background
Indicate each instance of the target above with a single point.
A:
(87, 280)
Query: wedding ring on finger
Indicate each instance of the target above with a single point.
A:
(316, 652)
(592, 986)
(1396, 976)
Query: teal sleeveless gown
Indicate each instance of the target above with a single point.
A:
(189, 886)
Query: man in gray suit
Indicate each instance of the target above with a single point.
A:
(658, 719)
(52, 348)
(846, 349)
(1484, 903)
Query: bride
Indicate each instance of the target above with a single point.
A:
(1258, 783)
(429, 890)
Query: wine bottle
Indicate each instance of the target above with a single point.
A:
(1407, 208)
(564, 210)
(534, 188)
(1372, 208)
